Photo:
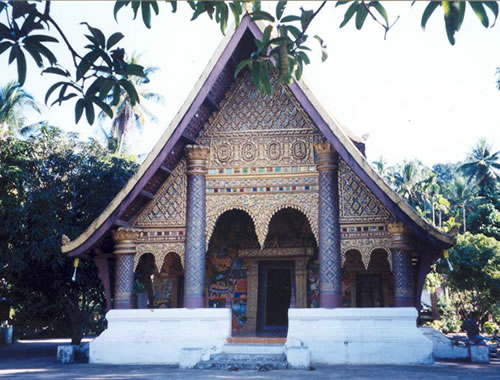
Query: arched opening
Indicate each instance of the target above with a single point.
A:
(283, 282)
(168, 283)
(352, 269)
(143, 285)
(226, 275)
(380, 270)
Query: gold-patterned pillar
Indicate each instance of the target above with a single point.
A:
(301, 282)
(194, 277)
(252, 290)
(124, 250)
(330, 267)
(402, 271)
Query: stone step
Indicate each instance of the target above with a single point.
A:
(233, 348)
(224, 357)
(263, 365)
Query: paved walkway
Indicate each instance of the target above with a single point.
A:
(36, 359)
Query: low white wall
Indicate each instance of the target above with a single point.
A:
(360, 335)
(443, 346)
(156, 336)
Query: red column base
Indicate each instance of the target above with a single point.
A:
(330, 300)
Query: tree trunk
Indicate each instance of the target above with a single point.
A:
(463, 218)
(439, 218)
(434, 306)
(433, 215)
(79, 321)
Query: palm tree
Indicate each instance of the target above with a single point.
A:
(383, 169)
(406, 181)
(462, 193)
(13, 103)
(128, 118)
(483, 165)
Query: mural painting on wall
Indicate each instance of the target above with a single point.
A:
(313, 283)
(227, 274)
(348, 281)
(162, 290)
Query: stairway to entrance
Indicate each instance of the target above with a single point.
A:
(251, 353)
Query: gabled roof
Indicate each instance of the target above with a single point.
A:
(202, 101)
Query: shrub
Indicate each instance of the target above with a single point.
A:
(489, 327)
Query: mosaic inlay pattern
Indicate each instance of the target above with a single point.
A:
(329, 242)
(169, 206)
(402, 274)
(195, 237)
(357, 203)
(124, 284)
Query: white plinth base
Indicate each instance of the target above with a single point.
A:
(443, 346)
(157, 336)
(360, 335)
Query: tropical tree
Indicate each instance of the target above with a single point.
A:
(14, 101)
(407, 178)
(482, 164)
(131, 116)
(461, 195)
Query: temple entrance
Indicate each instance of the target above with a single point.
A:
(369, 290)
(276, 281)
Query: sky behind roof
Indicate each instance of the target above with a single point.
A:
(413, 94)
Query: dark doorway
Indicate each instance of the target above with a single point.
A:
(369, 290)
(276, 279)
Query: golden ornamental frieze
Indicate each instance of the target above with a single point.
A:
(168, 208)
(366, 248)
(246, 109)
(276, 252)
(261, 151)
(261, 208)
(357, 203)
(159, 252)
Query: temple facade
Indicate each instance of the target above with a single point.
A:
(258, 204)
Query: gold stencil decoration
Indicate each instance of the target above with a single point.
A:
(366, 248)
(168, 208)
(159, 252)
(261, 208)
(357, 202)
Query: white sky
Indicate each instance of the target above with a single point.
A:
(414, 94)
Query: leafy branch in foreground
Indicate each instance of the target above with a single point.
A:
(101, 71)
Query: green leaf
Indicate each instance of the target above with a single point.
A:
(256, 73)
(63, 99)
(340, 3)
(380, 9)
(80, 104)
(280, 8)
(4, 46)
(155, 7)
(236, 10)
(114, 39)
(146, 13)
(480, 12)
(267, 35)
(324, 53)
(493, 5)
(349, 13)
(264, 78)
(89, 112)
(290, 18)
(137, 70)
(241, 65)
(222, 14)
(431, 7)
(131, 91)
(294, 31)
(304, 57)
(261, 15)
(461, 11)
(33, 51)
(98, 35)
(135, 7)
(361, 17)
(13, 53)
(21, 67)
(52, 89)
(305, 19)
(174, 5)
(47, 53)
(40, 38)
(119, 4)
(116, 94)
(106, 108)
(55, 70)
(106, 86)
(85, 64)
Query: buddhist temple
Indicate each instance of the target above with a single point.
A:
(258, 216)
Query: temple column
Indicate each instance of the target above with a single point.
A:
(101, 262)
(124, 250)
(330, 269)
(194, 274)
(402, 272)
